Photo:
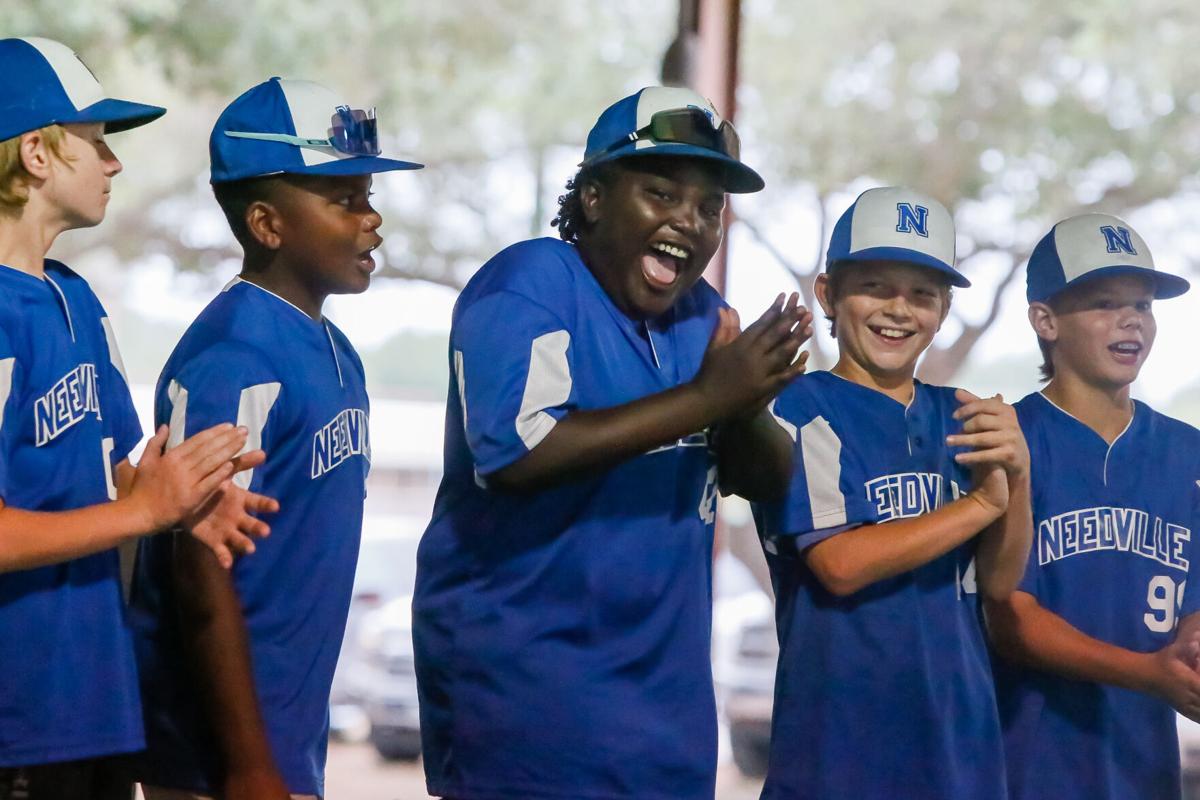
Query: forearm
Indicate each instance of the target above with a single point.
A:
(1004, 545)
(1024, 632)
(584, 441)
(855, 559)
(217, 643)
(31, 539)
(754, 457)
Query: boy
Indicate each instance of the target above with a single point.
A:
(883, 687)
(291, 169)
(68, 695)
(1095, 664)
(562, 609)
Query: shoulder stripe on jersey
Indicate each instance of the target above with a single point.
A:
(783, 423)
(114, 353)
(822, 451)
(461, 381)
(253, 408)
(178, 422)
(548, 385)
(6, 373)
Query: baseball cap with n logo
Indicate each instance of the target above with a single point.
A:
(1090, 246)
(894, 223)
(45, 83)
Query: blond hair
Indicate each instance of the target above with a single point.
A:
(14, 178)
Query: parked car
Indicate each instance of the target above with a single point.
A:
(748, 688)
(390, 692)
(386, 570)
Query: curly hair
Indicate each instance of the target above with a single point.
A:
(570, 220)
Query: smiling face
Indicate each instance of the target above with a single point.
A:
(324, 231)
(1101, 330)
(79, 182)
(886, 315)
(653, 226)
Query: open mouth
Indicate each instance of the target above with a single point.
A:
(366, 260)
(663, 264)
(1126, 352)
(891, 334)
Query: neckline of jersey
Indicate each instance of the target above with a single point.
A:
(239, 279)
(21, 274)
(1108, 448)
(905, 406)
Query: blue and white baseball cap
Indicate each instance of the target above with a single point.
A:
(45, 83)
(894, 223)
(295, 127)
(1091, 246)
(669, 121)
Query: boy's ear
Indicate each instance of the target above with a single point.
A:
(821, 290)
(591, 195)
(949, 297)
(262, 221)
(1044, 323)
(35, 155)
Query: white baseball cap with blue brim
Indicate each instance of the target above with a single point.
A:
(669, 121)
(298, 128)
(894, 223)
(1091, 246)
(45, 83)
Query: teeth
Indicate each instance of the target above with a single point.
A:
(893, 333)
(1127, 347)
(670, 249)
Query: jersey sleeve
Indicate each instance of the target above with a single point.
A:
(1190, 603)
(513, 368)
(121, 422)
(225, 383)
(9, 377)
(826, 495)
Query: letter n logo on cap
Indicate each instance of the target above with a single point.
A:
(914, 219)
(1118, 240)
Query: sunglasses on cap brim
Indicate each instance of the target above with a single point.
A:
(353, 131)
(689, 125)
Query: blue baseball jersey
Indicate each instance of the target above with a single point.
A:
(887, 692)
(1113, 550)
(68, 682)
(297, 384)
(562, 636)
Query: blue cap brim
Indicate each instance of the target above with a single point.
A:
(906, 256)
(117, 115)
(738, 178)
(359, 165)
(1166, 286)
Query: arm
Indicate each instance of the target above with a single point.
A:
(735, 376)
(754, 456)
(754, 452)
(1023, 631)
(215, 638)
(852, 560)
(159, 494)
(992, 429)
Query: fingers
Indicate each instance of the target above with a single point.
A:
(975, 405)
(198, 441)
(217, 451)
(224, 557)
(249, 460)
(155, 446)
(255, 503)
(980, 458)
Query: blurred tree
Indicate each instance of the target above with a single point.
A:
(494, 94)
(1014, 115)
